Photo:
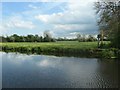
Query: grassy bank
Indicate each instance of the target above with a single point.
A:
(63, 48)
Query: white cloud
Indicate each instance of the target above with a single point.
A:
(74, 33)
(76, 13)
(63, 27)
(18, 58)
(77, 17)
(3, 29)
(71, 30)
(43, 18)
(68, 17)
(73, 27)
(32, 6)
(17, 22)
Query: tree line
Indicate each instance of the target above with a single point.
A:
(46, 38)
(29, 38)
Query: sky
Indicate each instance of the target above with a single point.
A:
(61, 19)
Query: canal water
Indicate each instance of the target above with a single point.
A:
(44, 71)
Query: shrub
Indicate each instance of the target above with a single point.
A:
(107, 53)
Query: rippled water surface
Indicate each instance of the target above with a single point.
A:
(40, 71)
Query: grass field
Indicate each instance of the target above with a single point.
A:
(61, 48)
(60, 44)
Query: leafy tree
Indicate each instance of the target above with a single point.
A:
(16, 37)
(79, 37)
(2, 39)
(91, 38)
(109, 21)
(47, 36)
(8, 39)
(12, 39)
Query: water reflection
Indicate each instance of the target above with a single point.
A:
(0, 71)
(40, 71)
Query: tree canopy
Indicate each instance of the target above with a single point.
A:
(109, 20)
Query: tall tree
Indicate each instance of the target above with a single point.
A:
(109, 22)
(47, 36)
(79, 37)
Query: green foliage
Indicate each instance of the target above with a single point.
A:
(83, 38)
(28, 38)
(62, 47)
(109, 13)
(118, 54)
(108, 53)
(86, 49)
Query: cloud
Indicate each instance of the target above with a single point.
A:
(73, 27)
(71, 30)
(17, 22)
(14, 23)
(61, 18)
(3, 29)
(68, 17)
(32, 6)
(75, 13)
(76, 17)
(18, 58)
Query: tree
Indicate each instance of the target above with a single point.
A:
(2, 39)
(8, 39)
(16, 37)
(47, 36)
(109, 21)
(12, 39)
(79, 37)
(36, 38)
(84, 38)
(30, 38)
(91, 38)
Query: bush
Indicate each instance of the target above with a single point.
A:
(107, 54)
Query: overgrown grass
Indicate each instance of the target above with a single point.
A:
(57, 48)
(60, 44)
(61, 48)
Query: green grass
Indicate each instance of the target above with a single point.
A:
(60, 44)
(61, 48)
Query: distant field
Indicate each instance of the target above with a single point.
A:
(60, 44)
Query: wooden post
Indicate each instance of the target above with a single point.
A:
(99, 36)
(102, 36)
